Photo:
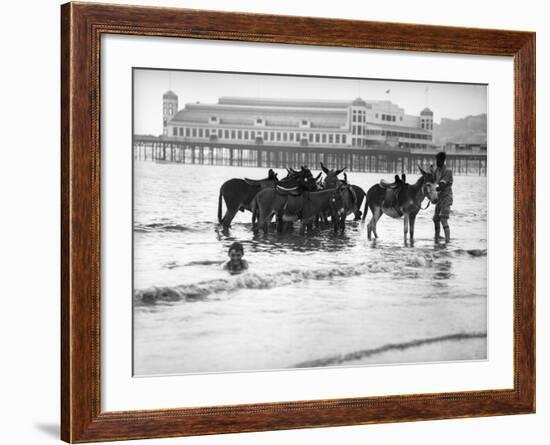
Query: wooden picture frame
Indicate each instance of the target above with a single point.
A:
(82, 26)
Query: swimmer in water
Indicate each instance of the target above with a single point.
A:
(236, 262)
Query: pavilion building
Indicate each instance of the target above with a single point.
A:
(359, 123)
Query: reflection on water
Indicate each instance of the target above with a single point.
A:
(305, 298)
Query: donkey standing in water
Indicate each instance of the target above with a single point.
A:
(298, 205)
(400, 200)
(238, 194)
(353, 199)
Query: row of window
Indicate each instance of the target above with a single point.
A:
(411, 145)
(169, 109)
(359, 116)
(397, 134)
(389, 117)
(427, 124)
(358, 130)
(251, 135)
(356, 142)
(385, 117)
(284, 136)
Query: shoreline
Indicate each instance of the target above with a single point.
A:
(466, 346)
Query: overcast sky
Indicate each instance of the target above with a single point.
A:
(444, 99)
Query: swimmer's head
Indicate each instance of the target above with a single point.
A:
(236, 251)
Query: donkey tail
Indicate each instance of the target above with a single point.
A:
(255, 212)
(366, 209)
(220, 206)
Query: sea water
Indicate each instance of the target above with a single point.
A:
(320, 299)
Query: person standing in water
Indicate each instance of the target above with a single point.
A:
(443, 178)
(236, 263)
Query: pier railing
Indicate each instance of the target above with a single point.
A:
(380, 159)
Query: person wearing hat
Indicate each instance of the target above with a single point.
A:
(443, 178)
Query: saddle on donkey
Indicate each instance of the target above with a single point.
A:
(393, 190)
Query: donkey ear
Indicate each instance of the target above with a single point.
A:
(340, 171)
(318, 176)
(324, 168)
(422, 171)
(345, 178)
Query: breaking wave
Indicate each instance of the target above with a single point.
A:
(161, 227)
(459, 252)
(404, 266)
(365, 353)
(250, 280)
(172, 227)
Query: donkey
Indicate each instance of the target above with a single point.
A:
(275, 198)
(350, 199)
(400, 200)
(352, 205)
(292, 178)
(295, 182)
(238, 194)
(305, 206)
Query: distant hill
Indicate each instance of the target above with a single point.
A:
(468, 130)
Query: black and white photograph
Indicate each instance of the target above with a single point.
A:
(287, 221)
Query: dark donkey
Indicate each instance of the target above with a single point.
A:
(295, 182)
(352, 203)
(238, 194)
(400, 200)
(305, 206)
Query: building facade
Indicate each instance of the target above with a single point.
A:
(305, 123)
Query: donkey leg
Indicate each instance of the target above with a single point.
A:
(412, 219)
(268, 221)
(370, 224)
(228, 217)
(280, 222)
(263, 221)
(405, 227)
(317, 220)
(376, 216)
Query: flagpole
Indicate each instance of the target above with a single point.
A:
(426, 97)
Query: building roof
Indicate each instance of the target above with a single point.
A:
(170, 95)
(278, 102)
(274, 116)
(426, 111)
(358, 102)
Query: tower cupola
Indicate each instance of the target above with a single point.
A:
(169, 109)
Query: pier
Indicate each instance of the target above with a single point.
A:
(463, 159)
